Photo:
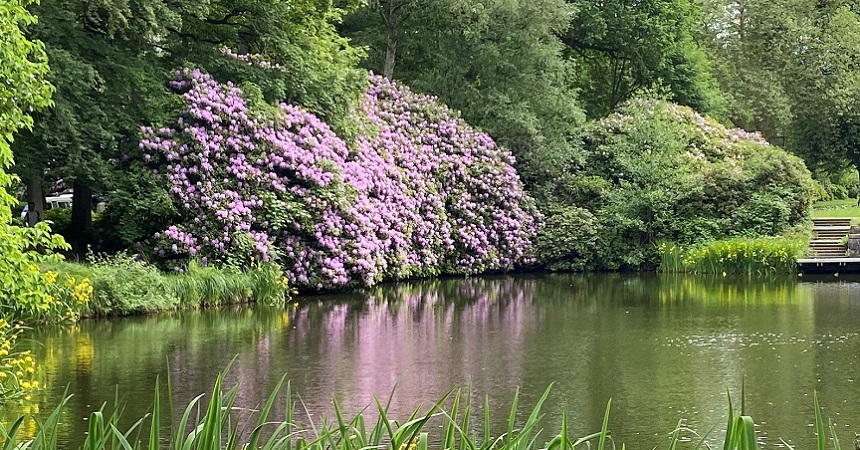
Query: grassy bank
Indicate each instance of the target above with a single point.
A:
(222, 425)
(121, 286)
(757, 256)
(837, 208)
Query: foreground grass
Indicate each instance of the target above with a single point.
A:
(222, 425)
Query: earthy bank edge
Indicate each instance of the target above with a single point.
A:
(223, 425)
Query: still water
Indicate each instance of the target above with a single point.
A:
(662, 348)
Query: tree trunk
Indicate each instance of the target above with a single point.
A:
(35, 193)
(82, 217)
(392, 26)
(390, 53)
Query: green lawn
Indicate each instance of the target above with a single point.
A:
(837, 208)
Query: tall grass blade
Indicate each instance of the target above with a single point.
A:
(10, 437)
(673, 441)
(604, 429)
(730, 425)
(264, 414)
(835, 437)
(155, 423)
(819, 423)
(512, 417)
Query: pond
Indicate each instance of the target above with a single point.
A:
(662, 348)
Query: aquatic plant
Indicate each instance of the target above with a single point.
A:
(222, 424)
(422, 194)
(208, 286)
(757, 256)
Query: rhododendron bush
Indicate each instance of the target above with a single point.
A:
(420, 195)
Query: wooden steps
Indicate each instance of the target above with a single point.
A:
(828, 239)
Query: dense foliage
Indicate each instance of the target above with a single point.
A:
(110, 63)
(657, 172)
(499, 62)
(419, 195)
(624, 47)
(342, 187)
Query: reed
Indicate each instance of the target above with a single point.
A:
(759, 256)
(123, 285)
(222, 425)
(209, 286)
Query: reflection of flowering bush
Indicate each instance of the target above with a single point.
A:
(425, 194)
(17, 368)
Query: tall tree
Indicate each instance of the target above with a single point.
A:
(112, 59)
(623, 47)
(752, 44)
(23, 88)
(499, 62)
(827, 103)
(108, 80)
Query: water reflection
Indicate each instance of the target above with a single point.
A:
(662, 347)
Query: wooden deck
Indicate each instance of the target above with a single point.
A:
(829, 265)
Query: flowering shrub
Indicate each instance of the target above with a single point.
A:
(27, 292)
(421, 195)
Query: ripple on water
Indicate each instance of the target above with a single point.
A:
(729, 340)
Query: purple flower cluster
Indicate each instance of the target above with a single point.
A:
(423, 194)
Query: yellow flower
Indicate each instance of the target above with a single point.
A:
(51, 277)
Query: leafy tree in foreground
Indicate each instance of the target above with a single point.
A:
(26, 293)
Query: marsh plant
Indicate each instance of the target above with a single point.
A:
(757, 256)
(122, 284)
(223, 425)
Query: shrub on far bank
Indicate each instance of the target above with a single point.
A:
(569, 239)
(658, 172)
(420, 193)
(123, 285)
(838, 186)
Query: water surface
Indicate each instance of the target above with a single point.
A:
(663, 348)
